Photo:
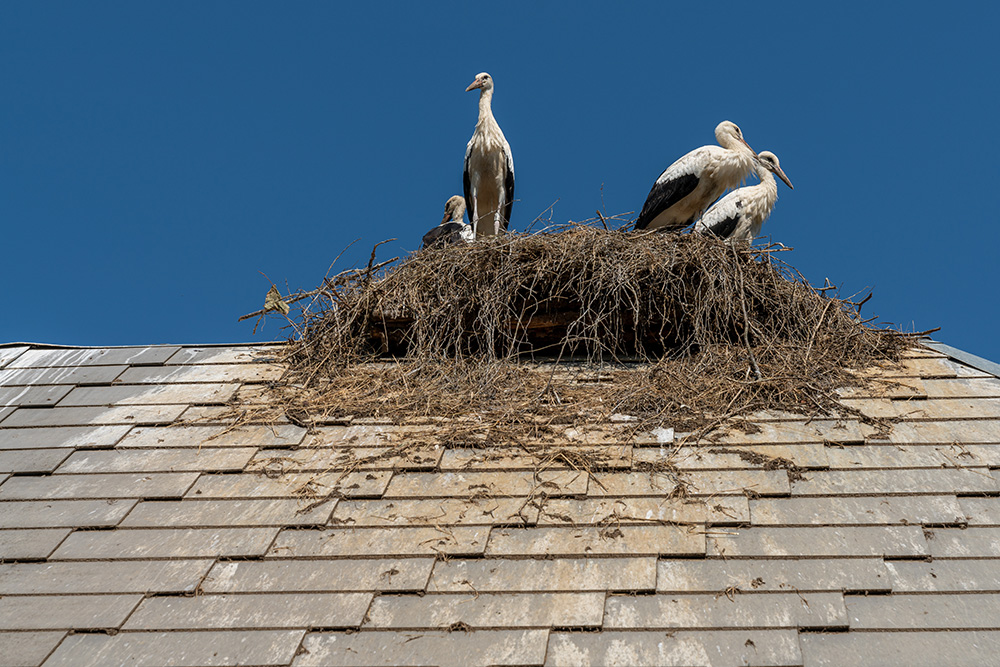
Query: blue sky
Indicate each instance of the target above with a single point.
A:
(157, 158)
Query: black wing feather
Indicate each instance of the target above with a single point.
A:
(443, 234)
(724, 228)
(664, 195)
(508, 186)
(467, 185)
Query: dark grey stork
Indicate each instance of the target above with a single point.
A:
(453, 228)
(688, 186)
(489, 168)
(739, 215)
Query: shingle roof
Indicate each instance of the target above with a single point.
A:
(137, 527)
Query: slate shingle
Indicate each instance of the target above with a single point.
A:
(447, 649)
(167, 543)
(179, 649)
(714, 648)
(251, 611)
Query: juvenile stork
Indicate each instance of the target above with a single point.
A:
(689, 185)
(452, 228)
(489, 168)
(739, 215)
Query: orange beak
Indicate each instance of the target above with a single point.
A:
(475, 84)
(781, 175)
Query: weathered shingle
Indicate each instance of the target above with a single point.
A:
(251, 611)
(714, 648)
(167, 543)
(764, 610)
(66, 612)
(179, 649)
(447, 649)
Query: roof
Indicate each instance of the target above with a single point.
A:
(137, 526)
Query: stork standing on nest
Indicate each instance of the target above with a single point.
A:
(452, 228)
(688, 186)
(489, 168)
(739, 215)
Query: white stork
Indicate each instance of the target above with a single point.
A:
(739, 215)
(489, 168)
(452, 228)
(689, 185)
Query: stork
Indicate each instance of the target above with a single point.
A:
(452, 228)
(739, 215)
(489, 168)
(687, 187)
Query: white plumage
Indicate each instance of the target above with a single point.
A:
(453, 228)
(489, 168)
(688, 186)
(740, 215)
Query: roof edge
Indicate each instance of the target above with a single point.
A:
(58, 346)
(966, 358)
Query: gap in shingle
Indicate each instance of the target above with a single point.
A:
(111, 632)
(977, 494)
(926, 558)
(880, 592)
(590, 630)
(30, 473)
(7, 561)
(954, 524)
(824, 631)
(644, 592)
(240, 559)
(679, 556)
(480, 556)
(309, 526)
(172, 594)
(93, 528)
(830, 628)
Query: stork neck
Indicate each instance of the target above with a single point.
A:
(768, 187)
(485, 105)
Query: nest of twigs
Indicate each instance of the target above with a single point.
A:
(578, 325)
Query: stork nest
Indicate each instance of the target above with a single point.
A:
(577, 325)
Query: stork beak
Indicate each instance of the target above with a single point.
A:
(475, 84)
(781, 175)
(752, 151)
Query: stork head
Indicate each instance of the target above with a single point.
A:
(769, 161)
(729, 135)
(454, 209)
(483, 80)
